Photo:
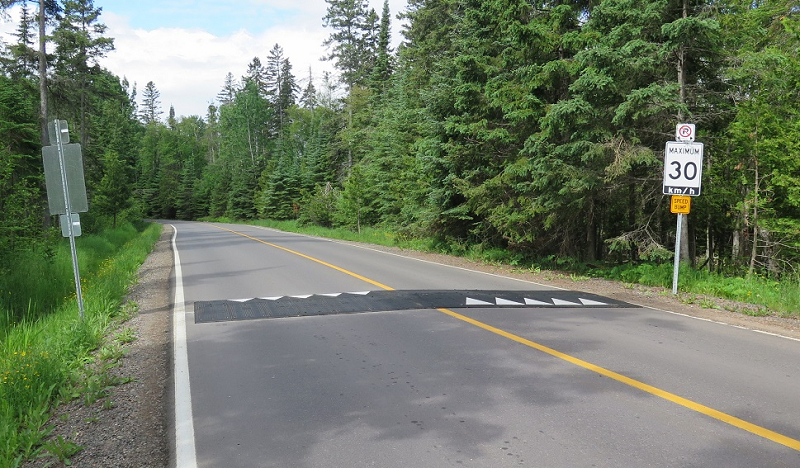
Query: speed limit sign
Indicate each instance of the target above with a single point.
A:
(683, 168)
(684, 132)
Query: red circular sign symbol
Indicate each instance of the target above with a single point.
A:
(685, 131)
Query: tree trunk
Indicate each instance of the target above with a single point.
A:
(754, 248)
(43, 108)
(685, 251)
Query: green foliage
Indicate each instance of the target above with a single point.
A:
(61, 449)
(41, 353)
(647, 274)
(113, 192)
(318, 207)
(21, 171)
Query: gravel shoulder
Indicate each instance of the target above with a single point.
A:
(135, 431)
(130, 427)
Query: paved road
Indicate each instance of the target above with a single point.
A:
(516, 375)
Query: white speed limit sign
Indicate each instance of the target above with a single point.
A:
(683, 168)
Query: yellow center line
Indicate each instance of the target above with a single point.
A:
(347, 272)
(694, 406)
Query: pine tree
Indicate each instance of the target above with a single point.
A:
(151, 105)
(382, 71)
(20, 169)
(272, 72)
(23, 60)
(257, 74)
(286, 93)
(273, 78)
(112, 194)
(350, 42)
(228, 92)
(80, 44)
(309, 97)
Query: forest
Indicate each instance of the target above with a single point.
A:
(535, 127)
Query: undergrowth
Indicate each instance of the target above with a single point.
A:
(44, 345)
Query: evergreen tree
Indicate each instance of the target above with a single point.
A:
(272, 71)
(80, 44)
(273, 79)
(309, 97)
(20, 169)
(114, 125)
(151, 105)
(22, 61)
(228, 92)
(350, 42)
(286, 94)
(382, 71)
(257, 74)
(112, 194)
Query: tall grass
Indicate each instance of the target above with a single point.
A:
(43, 341)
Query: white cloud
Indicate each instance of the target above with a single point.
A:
(189, 67)
(8, 23)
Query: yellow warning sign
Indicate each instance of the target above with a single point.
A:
(680, 204)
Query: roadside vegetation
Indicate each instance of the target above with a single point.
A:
(47, 353)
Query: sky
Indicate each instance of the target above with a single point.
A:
(187, 47)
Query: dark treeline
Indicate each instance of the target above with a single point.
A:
(538, 127)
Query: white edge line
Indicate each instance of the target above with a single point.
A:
(717, 322)
(336, 241)
(185, 454)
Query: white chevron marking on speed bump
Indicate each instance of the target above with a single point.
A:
(535, 302)
(532, 302)
(471, 301)
(501, 301)
(591, 302)
(563, 302)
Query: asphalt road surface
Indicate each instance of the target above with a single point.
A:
(294, 351)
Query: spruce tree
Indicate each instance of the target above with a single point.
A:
(151, 105)
(350, 42)
(80, 44)
(382, 71)
(228, 91)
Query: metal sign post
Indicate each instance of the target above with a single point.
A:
(66, 190)
(676, 266)
(683, 172)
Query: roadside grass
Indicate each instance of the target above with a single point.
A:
(768, 296)
(46, 349)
